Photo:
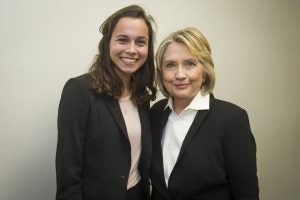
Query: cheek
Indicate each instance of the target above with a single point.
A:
(197, 78)
(111, 54)
(144, 52)
(167, 77)
(112, 50)
(115, 48)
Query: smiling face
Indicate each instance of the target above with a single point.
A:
(182, 73)
(129, 46)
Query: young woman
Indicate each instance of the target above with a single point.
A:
(104, 139)
(203, 147)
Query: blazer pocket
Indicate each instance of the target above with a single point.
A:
(114, 188)
(91, 188)
(110, 189)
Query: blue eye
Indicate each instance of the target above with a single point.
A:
(190, 64)
(170, 66)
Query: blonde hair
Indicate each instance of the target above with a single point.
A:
(198, 46)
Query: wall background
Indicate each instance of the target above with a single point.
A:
(256, 46)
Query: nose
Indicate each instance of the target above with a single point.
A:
(131, 47)
(180, 73)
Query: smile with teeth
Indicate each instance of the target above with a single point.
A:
(128, 60)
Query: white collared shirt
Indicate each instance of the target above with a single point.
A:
(177, 128)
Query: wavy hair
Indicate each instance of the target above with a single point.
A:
(104, 78)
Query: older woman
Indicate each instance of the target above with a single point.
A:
(203, 147)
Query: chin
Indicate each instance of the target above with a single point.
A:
(127, 70)
(181, 97)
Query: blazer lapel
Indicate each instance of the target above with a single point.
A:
(199, 118)
(116, 112)
(164, 119)
(145, 134)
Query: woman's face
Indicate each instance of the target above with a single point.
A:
(129, 45)
(182, 73)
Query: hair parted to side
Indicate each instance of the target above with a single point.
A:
(104, 77)
(198, 46)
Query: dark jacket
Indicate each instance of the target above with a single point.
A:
(217, 160)
(93, 151)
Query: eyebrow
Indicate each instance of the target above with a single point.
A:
(139, 37)
(143, 38)
(191, 60)
(186, 60)
(168, 61)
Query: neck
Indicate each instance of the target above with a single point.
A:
(180, 104)
(126, 82)
(125, 93)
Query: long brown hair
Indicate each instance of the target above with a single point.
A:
(104, 78)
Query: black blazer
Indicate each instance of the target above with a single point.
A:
(217, 160)
(93, 151)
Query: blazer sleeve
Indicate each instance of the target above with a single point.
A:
(240, 158)
(71, 123)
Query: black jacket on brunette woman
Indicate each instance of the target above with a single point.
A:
(93, 152)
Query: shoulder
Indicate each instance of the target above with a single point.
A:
(225, 105)
(226, 109)
(82, 81)
(233, 119)
(159, 105)
(78, 87)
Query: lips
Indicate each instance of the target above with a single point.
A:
(128, 60)
(181, 85)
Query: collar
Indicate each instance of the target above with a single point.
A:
(199, 102)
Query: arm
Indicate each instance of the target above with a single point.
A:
(73, 109)
(240, 158)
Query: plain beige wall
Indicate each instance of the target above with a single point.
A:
(256, 49)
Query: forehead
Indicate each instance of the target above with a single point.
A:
(177, 50)
(131, 27)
